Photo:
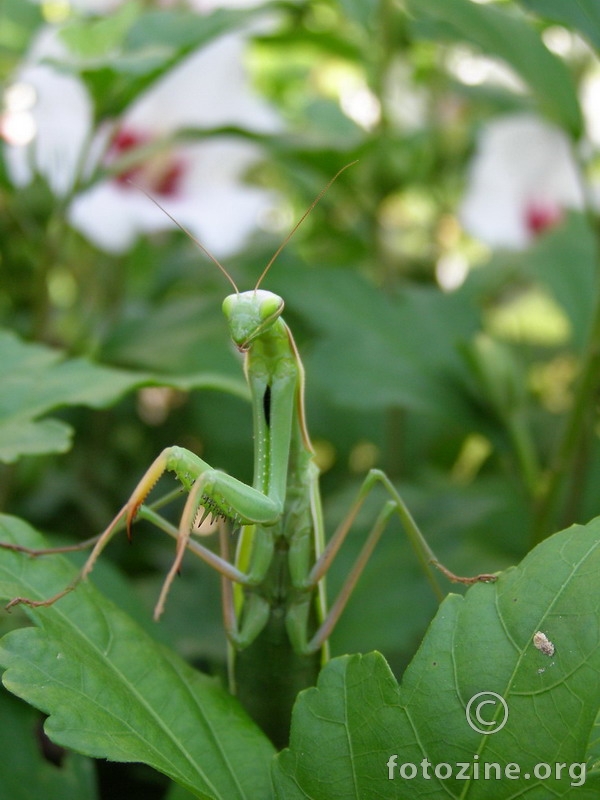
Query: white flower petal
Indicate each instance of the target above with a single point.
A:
(590, 101)
(104, 215)
(89, 6)
(62, 116)
(209, 89)
(521, 163)
(213, 203)
(207, 193)
(406, 102)
(206, 6)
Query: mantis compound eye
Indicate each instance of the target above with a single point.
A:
(228, 305)
(271, 305)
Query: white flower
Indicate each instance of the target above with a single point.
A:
(63, 9)
(200, 184)
(210, 88)
(205, 6)
(522, 179)
(590, 104)
(96, 6)
(200, 187)
(406, 102)
(57, 120)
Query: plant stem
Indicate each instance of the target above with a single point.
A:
(576, 426)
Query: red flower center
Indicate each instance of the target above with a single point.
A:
(540, 216)
(160, 174)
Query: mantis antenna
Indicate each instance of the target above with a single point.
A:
(181, 227)
(300, 221)
(276, 253)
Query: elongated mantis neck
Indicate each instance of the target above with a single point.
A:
(276, 379)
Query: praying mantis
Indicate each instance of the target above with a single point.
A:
(273, 592)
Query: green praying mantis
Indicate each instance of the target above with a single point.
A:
(273, 593)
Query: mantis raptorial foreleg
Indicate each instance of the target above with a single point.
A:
(218, 493)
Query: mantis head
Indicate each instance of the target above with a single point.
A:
(250, 314)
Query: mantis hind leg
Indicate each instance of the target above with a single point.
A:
(394, 505)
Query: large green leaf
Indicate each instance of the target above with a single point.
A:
(497, 32)
(378, 351)
(581, 15)
(177, 793)
(36, 379)
(112, 692)
(25, 774)
(103, 37)
(345, 730)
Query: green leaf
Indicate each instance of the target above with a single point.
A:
(25, 774)
(378, 351)
(160, 39)
(177, 793)
(581, 15)
(112, 692)
(361, 13)
(123, 54)
(565, 260)
(101, 37)
(497, 32)
(345, 730)
(129, 40)
(180, 29)
(37, 379)
(18, 22)
(188, 333)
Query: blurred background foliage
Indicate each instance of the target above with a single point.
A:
(443, 293)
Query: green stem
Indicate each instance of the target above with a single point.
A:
(577, 423)
(525, 453)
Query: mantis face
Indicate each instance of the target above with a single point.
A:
(250, 314)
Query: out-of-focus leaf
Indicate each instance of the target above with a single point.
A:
(36, 379)
(18, 21)
(378, 351)
(565, 260)
(24, 770)
(159, 39)
(134, 49)
(102, 37)
(112, 692)
(471, 529)
(499, 33)
(187, 334)
(345, 730)
(581, 15)
(179, 29)
(361, 13)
